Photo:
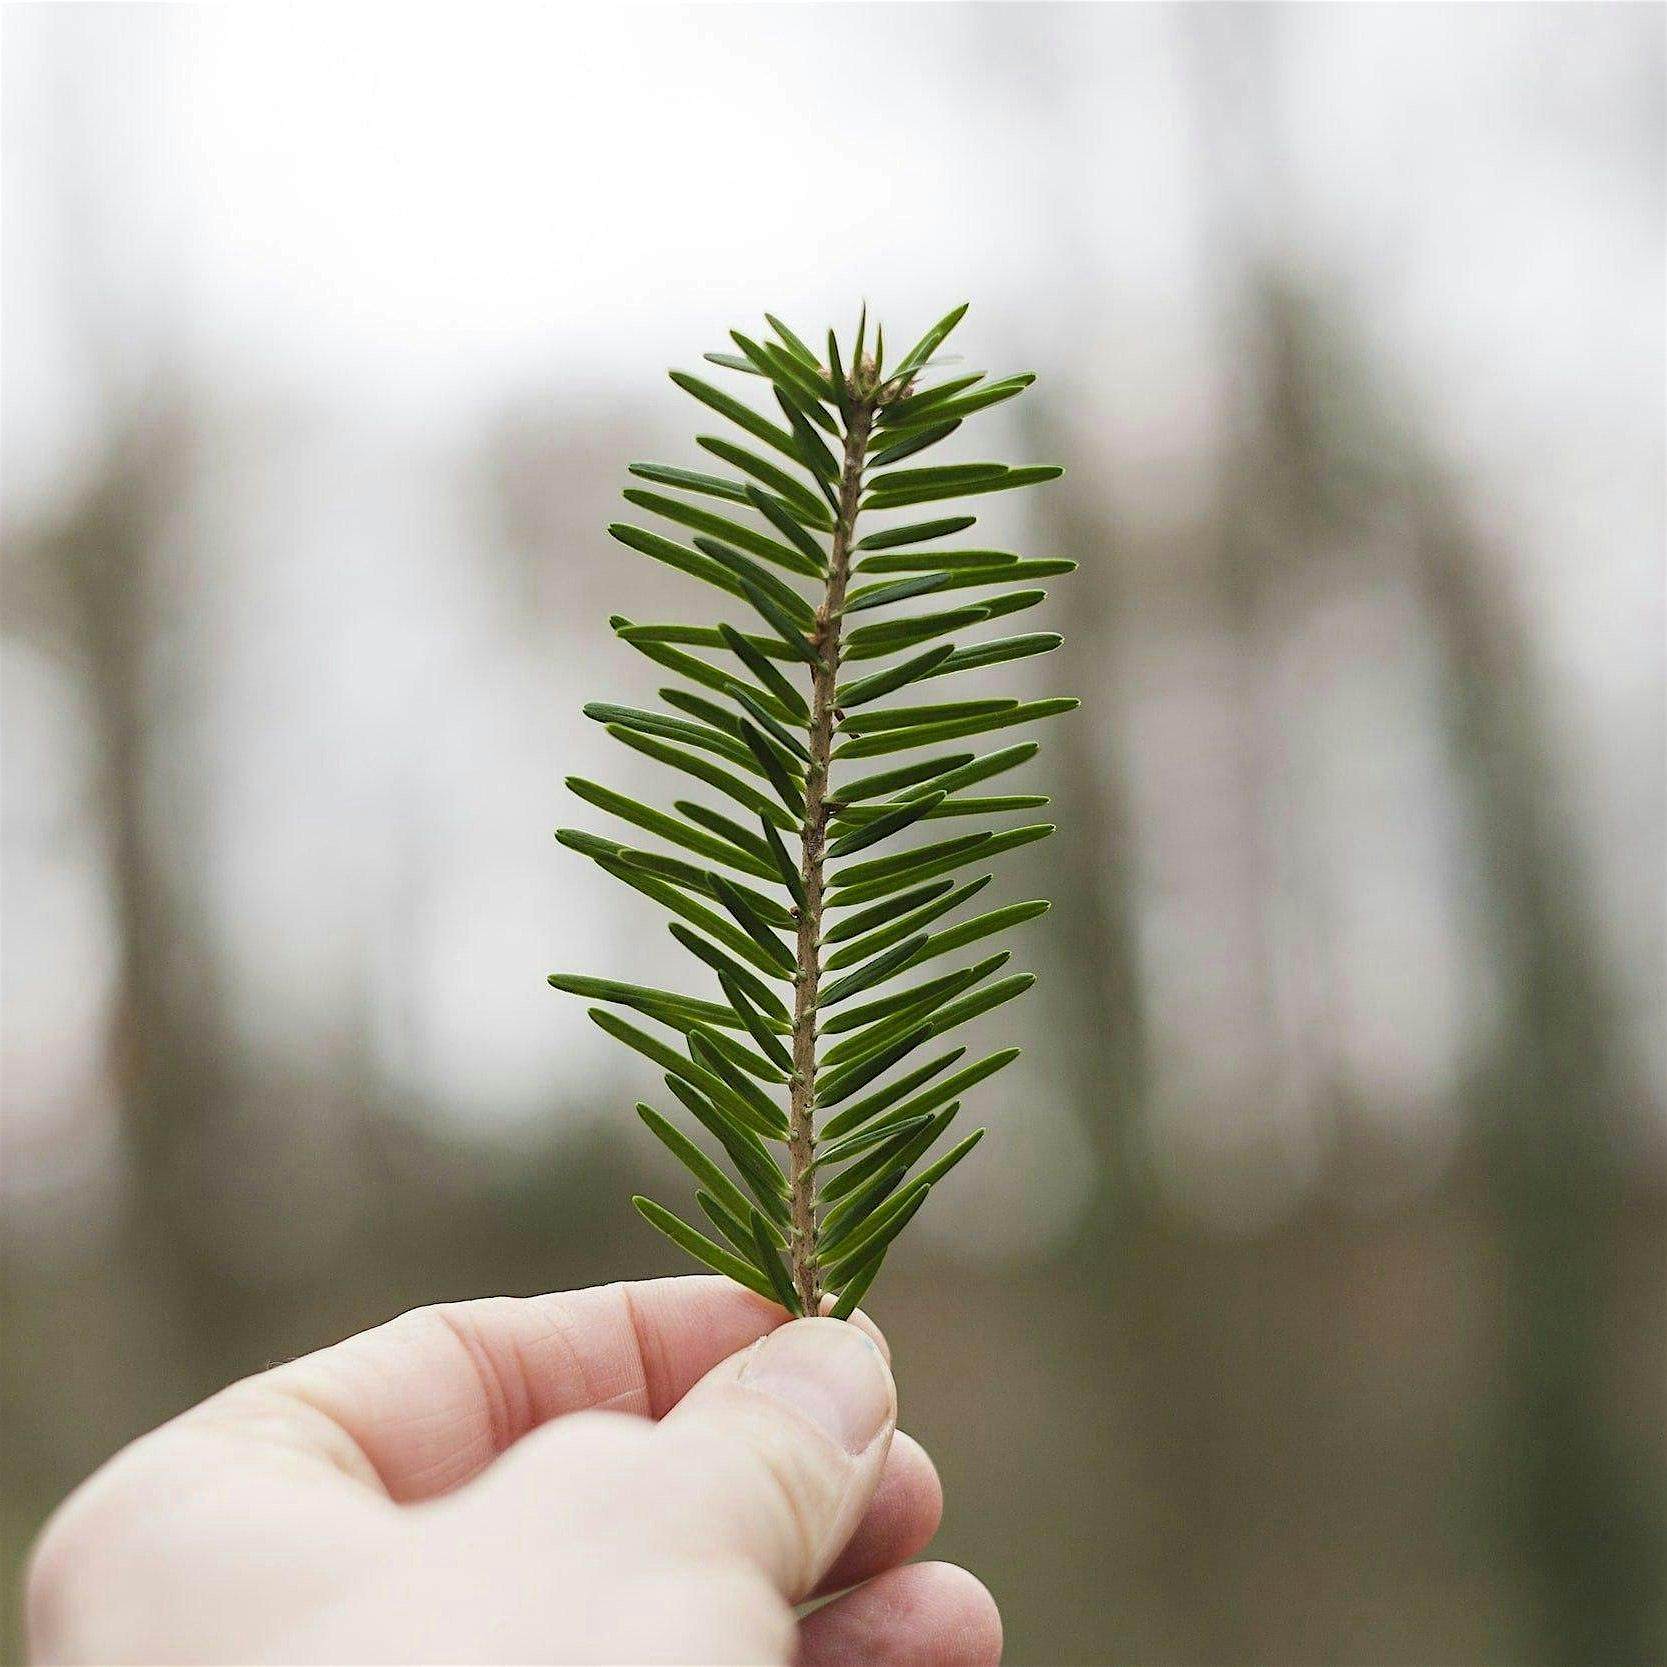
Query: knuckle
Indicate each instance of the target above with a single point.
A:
(85, 1555)
(45, 1581)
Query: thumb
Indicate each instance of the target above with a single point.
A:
(774, 1455)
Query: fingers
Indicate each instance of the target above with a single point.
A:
(573, 1476)
(773, 1458)
(422, 1403)
(924, 1615)
(900, 1522)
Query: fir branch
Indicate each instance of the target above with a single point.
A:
(821, 1229)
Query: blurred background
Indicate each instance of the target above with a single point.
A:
(1305, 1304)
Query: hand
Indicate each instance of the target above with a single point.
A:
(642, 1473)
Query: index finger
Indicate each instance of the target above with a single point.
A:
(428, 1400)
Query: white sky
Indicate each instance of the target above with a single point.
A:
(419, 207)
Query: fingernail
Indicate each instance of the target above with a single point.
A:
(829, 1371)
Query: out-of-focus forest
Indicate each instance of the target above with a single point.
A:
(1305, 1304)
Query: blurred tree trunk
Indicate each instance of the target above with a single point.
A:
(1554, 1104)
(102, 591)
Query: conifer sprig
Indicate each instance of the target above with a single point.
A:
(821, 1102)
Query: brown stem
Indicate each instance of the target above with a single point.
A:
(801, 1144)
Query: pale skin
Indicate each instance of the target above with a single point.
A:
(655, 1472)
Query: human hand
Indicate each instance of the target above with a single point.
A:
(644, 1473)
